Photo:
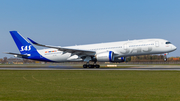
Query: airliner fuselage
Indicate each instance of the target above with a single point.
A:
(120, 49)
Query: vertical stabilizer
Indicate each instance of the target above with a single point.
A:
(23, 45)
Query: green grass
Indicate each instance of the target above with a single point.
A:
(90, 85)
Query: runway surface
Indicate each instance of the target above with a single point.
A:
(133, 67)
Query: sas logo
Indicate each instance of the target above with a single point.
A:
(25, 48)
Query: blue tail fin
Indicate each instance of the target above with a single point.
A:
(23, 45)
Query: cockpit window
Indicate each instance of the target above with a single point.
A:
(168, 42)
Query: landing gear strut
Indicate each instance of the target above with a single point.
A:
(165, 57)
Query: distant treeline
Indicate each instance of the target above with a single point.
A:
(11, 60)
(151, 58)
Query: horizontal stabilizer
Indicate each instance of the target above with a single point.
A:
(16, 54)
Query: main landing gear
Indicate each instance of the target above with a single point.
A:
(87, 65)
(91, 66)
(94, 65)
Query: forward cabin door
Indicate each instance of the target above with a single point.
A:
(157, 43)
(125, 46)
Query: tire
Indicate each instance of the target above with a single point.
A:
(91, 66)
(97, 66)
(84, 66)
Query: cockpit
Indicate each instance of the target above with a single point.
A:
(168, 42)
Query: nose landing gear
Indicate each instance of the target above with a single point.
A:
(165, 56)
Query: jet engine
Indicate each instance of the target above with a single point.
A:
(108, 57)
(105, 56)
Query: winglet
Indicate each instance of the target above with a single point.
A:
(32, 41)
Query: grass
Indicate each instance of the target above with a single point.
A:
(90, 85)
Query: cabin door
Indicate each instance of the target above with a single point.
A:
(157, 44)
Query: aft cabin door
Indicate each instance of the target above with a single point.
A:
(125, 46)
(157, 44)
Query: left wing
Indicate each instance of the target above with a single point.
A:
(67, 50)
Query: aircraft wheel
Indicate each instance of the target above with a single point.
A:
(91, 66)
(97, 66)
(84, 66)
(165, 59)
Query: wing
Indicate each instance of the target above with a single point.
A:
(68, 50)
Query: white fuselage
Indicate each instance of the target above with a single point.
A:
(120, 49)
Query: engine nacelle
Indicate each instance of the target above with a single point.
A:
(119, 59)
(105, 56)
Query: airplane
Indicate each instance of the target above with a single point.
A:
(102, 52)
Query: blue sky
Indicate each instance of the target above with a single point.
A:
(75, 22)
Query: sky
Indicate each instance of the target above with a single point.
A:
(77, 22)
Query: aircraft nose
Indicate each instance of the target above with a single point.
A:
(174, 47)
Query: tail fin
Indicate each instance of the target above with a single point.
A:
(23, 45)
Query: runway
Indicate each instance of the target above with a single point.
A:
(99, 69)
(133, 68)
